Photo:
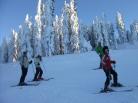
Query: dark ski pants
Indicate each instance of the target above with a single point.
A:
(24, 73)
(109, 74)
(38, 73)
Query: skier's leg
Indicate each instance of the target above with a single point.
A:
(36, 74)
(24, 73)
(41, 72)
(115, 76)
(107, 82)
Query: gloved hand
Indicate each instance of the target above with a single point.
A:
(114, 62)
(30, 62)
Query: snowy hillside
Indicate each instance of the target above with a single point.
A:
(74, 80)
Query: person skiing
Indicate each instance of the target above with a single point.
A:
(24, 62)
(99, 51)
(109, 71)
(39, 71)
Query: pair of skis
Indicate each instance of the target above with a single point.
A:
(32, 83)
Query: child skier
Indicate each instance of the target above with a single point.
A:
(99, 51)
(107, 67)
(24, 62)
(39, 71)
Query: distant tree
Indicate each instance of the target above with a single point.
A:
(41, 44)
(73, 42)
(85, 38)
(112, 38)
(13, 47)
(59, 37)
(5, 54)
(97, 32)
(28, 34)
(66, 27)
(129, 35)
(51, 15)
(134, 31)
(121, 28)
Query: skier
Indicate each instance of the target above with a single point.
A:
(107, 67)
(24, 62)
(39, 71)
(99, 51)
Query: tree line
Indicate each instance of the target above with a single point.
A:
(50, 34)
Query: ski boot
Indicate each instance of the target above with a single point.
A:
(116, 85)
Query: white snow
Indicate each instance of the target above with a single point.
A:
(74, 81)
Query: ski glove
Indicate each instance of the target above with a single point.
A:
(114, 62)
(30, 62)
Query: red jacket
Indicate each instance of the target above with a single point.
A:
(106, 62)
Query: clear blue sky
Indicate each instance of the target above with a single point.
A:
(13, 12)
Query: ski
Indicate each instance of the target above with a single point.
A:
(112, 90)
(96, 68)
(45, 79)
(28, 84)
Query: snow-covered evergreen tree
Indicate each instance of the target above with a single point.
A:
(40, 29)
(58, 38)
(4, 54)
(97, 34)
(72, 23)
(50, 16)
(92, 36)
(112, 37)
(30, 30)
(13, 47)
(66, 27)
(121, 28)
(134, 31)
(20, 41)
(104, 30)
(85, 38)
(61, 35)
(44, 27)
(75, 42)
(28, 34)
(129, 35)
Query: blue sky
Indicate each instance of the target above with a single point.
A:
(13, 12)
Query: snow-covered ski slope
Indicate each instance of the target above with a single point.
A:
(74, 80)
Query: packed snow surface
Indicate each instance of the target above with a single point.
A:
(74, 80)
